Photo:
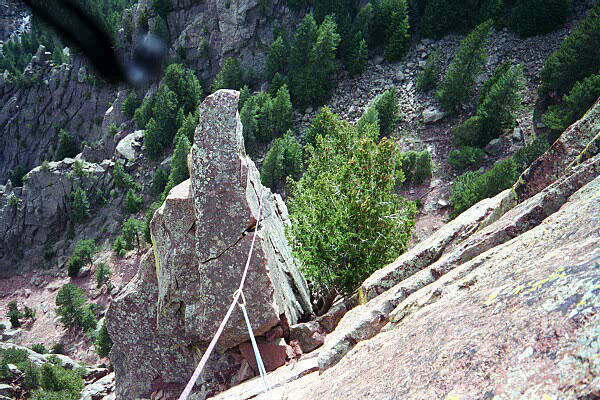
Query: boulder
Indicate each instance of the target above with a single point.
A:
(431, 115)
(164, 319)
(494, 147)
(99, 389)
(130, 147)
(227, 196)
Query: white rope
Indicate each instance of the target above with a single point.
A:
(259, 361)
(188, 388)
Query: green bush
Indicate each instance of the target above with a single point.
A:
(131, 103)
(55, 378)
(496, 111)
(460, 76)
(130, 232)
(70, 303)
(80, 205)
(429, 77)
(28, 313)
(186, 86)
(14, 315)
(276, 61)
(102, 274)
(283, 159)
(466, 157)
(283, 118)
(39, 348)
(67, 146)
(472, 187)
(143, 113)
(149, 214)
(576, 59)
(103, 342)
(159, 180)
(231, 76)
(16, 176)
(323, 124)
(179, 167)
(122, 179)
(359, 55)
(536, 17)
(388, 112)
(416, 166)
(82, 255)
(188, 127)
(58, 348)
(346, 219)
(133, 202)
(574, 105)
(389, 27)
(370, 118)
(528, 154)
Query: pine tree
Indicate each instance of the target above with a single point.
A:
(323, 124)
(143, 113)
(300, 61)
(397, 37)
(277, 82)
(470, 57)
(277, 58)
(282, 112)
(103, 342)
(248, 117)
(82, 255)
(534, 17)
(283, 159)
(324, 64)
(130, 232)
(164, 113)
(70, 301)
(188, 127)
(186, 86)
(429, 77)
(179, 167)
(368, 122)
(102, 274)
(67, 146)
(133, 202)
(130, 105)
(359, 55)
(387, 111)
(231, 76)
(80, 205)
(152, 140)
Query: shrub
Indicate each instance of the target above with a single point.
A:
(388, 114)
(231, 76)
(58, 348)
(472, 187)
(143, 113)
(131, 103)
(359, 55)
(576, 59)
(122, 179)
(149, 214)
(16, 176)
(369, 117)
(88, 319)
(535, 17)
(80, 205)
(119, 246)
(495, 112)
(39, 348)
(528, 154)
(416, 166)
(67, 146)
(70, 302)
(346, 219)
(323, 124)
(179, 167)
(130, 232)
(82, 255)
(276, 61)
(283, 119)
(14, 315)
(429, 77)
(188, 127)
(396, 14)
(133, 202)
(55, 378)
(102, 274)
(186, 86)
(283, 159)
(574, 105)
(28, 313)
(466, 157)
(159, 180)
(470, 57)
(103, 342)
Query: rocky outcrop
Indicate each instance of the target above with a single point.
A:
(164, 319)
(12, 18)
(34, 217)
(56, 97)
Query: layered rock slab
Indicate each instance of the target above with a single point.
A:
(228, 197)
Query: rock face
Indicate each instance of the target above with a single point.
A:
(32, 115)
(33, 216)
(227, 197)
(167, 315)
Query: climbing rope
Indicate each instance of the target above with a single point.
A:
(236, 296)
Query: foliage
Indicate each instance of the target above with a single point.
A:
(231, 76)
(58, 348)
(80, 205)
(283, 118)
(430, 76)
(528, 154)
(359, 54)
(131, 103)
(416, 166)
(159, 180)
(122, 179)
(466, 157)
(346, 220)
(149, 214)
(283, 159)
(102, 274)
(186, 86)
(440, 17)
(82, 255)
(323, 124)
(55, 378)
(28, 312)
(495, 111)
(535, 17)
(386, 105)
(574, 105)
(67, 146)
(470, 57)
(161, 127)
(276, 61)
(143, 113)
(369, 118)
(39, 348)
(576, 59)
(14, 315)
(16, 176)
(133, 202)
(103, 342)
(188, 127)
(70, 303)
